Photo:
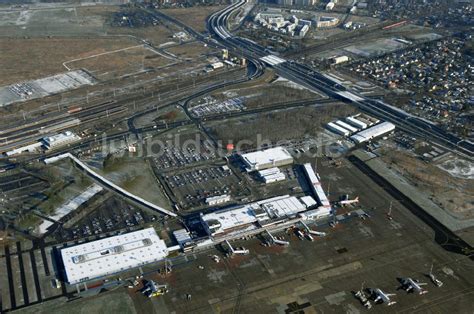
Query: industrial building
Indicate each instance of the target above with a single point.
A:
(373, 132)
(61, 139)
(219, 199)
(111, 255)
(325, 206)
(339, 59)
(23, 149)
(356, 122)
(253, 215)
(337, 129)
(269, 158)
(326, 21)
(271, 175)
(346, 126)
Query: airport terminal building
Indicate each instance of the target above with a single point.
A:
(111, 255)
(258, 214)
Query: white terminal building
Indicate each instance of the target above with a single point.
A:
(269, 158)
(111, 255)
(373, 132)
(259, 214)
(324, 209)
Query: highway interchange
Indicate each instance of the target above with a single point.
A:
(303, 74)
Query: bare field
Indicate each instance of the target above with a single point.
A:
(35, 58)
(190, 50)
(37, 42)
(194, 17)
(116, 64)
(449, 192)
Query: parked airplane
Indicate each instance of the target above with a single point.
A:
(411, 285)
(384, 297)
(346, 201)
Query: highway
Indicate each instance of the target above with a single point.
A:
(306, 76)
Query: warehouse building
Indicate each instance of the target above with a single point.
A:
(337, 129)
(112, 255)
(373, 132)
(253, 215)
(339, 59)
(346, 126)
(269, 158)
(271, 175)
(356, 122)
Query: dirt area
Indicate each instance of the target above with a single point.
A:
(449, 192)
(37, 42)
(24, 59)
(120, 63)
(194, 17)
(190, 50)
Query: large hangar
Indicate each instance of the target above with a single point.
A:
(111, 255)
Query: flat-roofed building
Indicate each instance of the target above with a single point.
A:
(268, 158)
(373, 132)
(112, 255)
(337, 129)
(254, 214)
(356, 122)
(271, 175)
(219, 199)
(61, 139)
(346, 126)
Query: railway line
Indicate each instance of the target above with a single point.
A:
(302, 74)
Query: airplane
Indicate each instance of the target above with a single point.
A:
(384, 297)
(411, 285)
(299, 234)
(152, 289)
(438, 283)
(309, 237)
(346, 201)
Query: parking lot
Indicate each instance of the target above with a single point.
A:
(172, 156)
(112, 215)
(210, 106)
(191, 188)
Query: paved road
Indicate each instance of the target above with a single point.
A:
(303, 74)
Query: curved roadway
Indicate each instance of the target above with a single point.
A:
(300, 73)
